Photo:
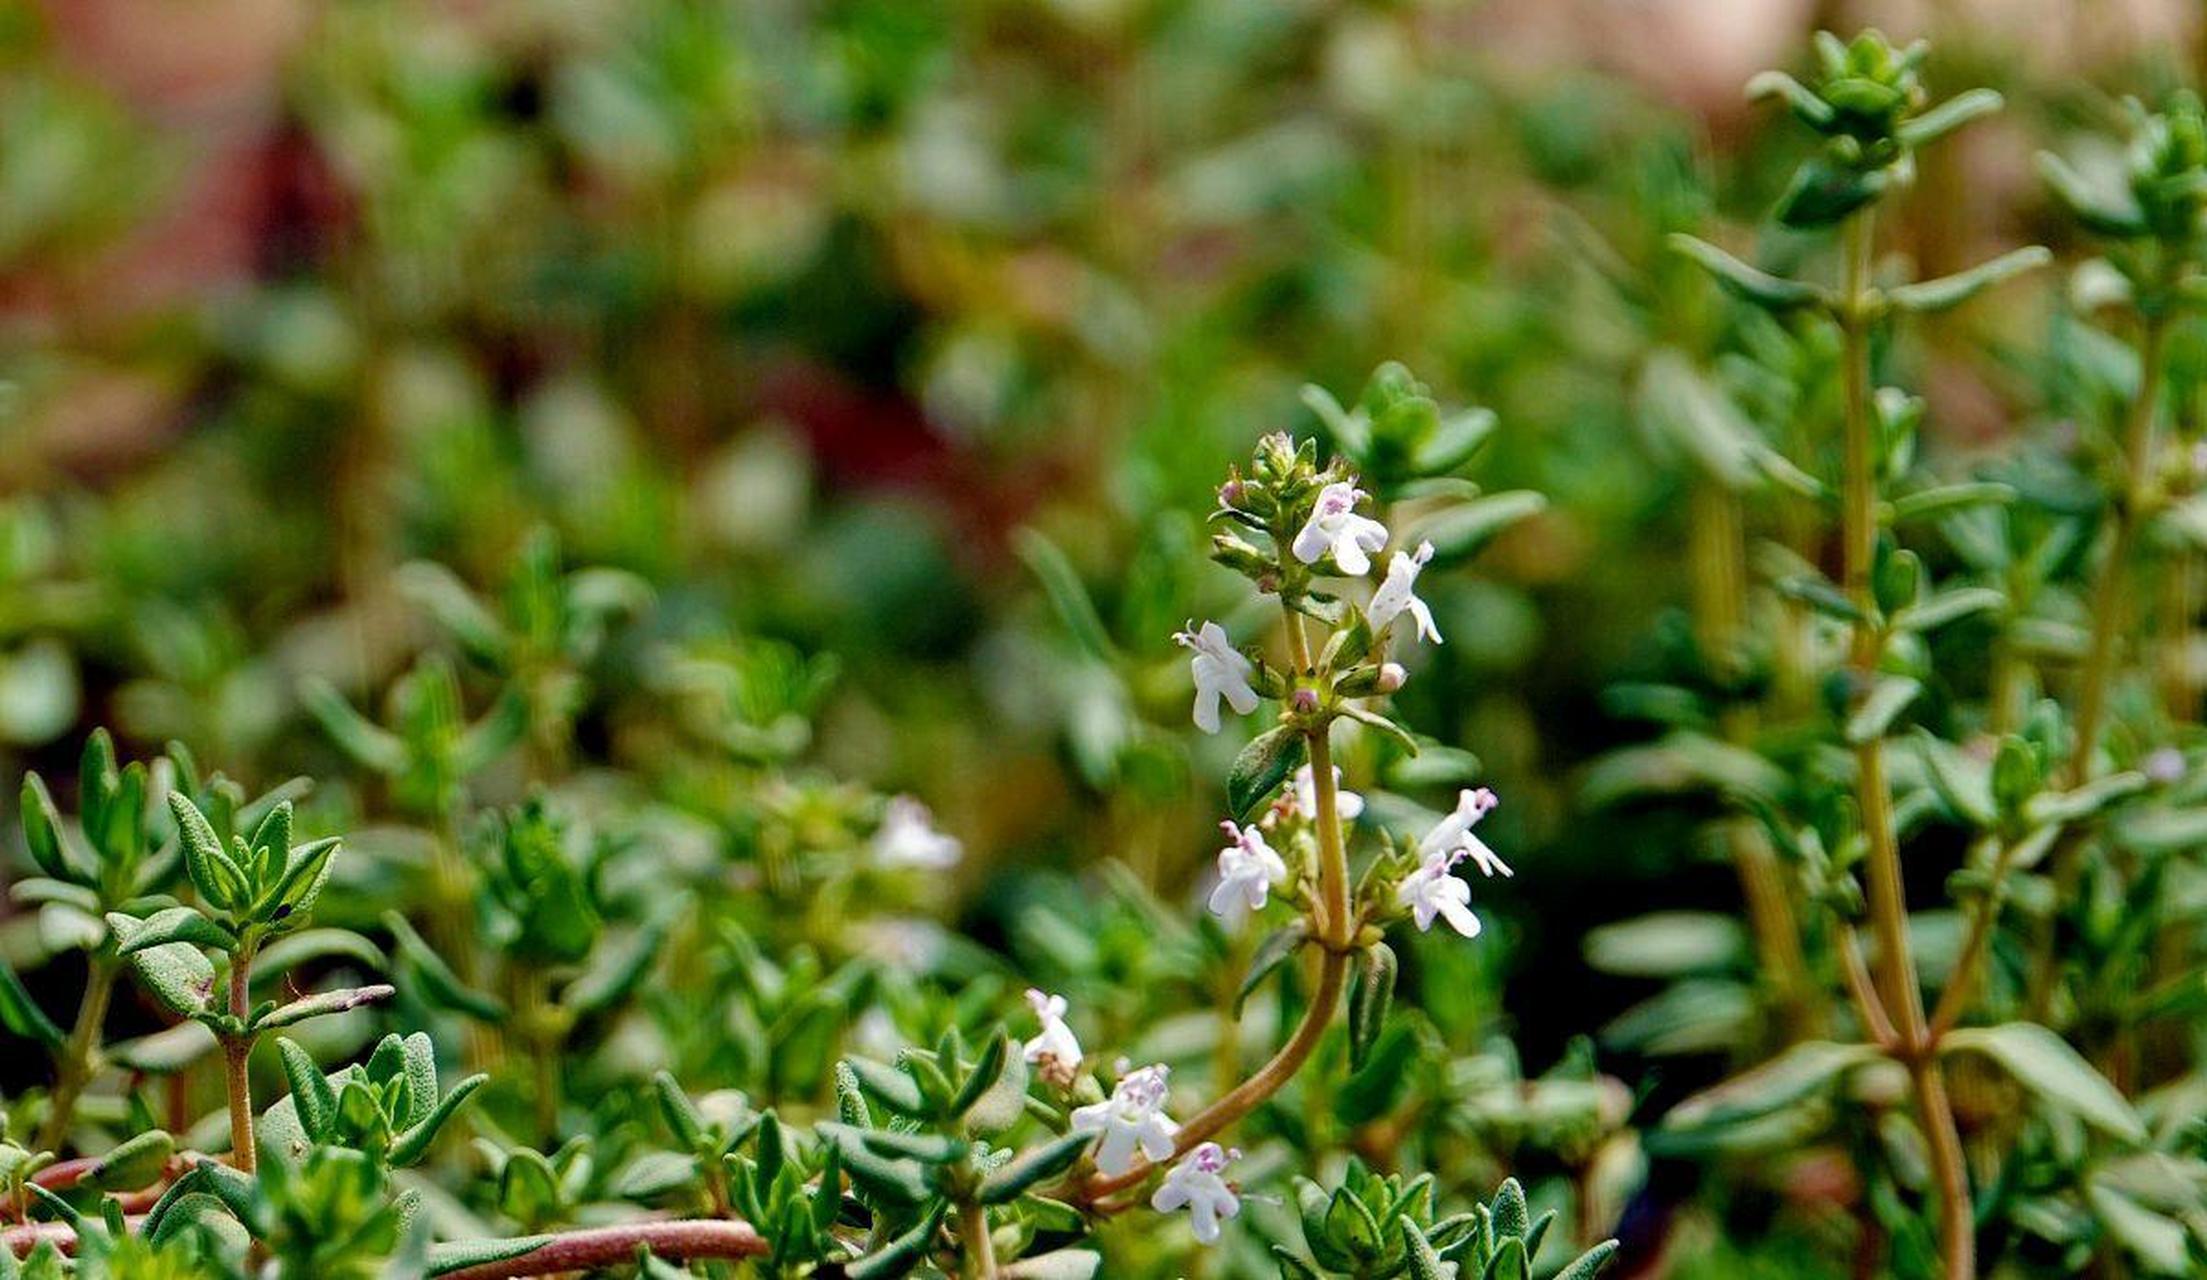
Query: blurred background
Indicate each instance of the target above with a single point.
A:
(803, 311)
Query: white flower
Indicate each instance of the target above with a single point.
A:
(1220, 672)
(1247, 870)
(1056, 1050)
(907, 838)
(1195, 1184)
(1454, 833)
(1394, 594)
(1335, 526)
(1132, 1117)
(1433, 889)
(1346, 804)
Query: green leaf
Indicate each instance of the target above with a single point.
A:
(994, 1098)
(21, 1015)
(1462, 530)
(1759, 287)
(1509, 1212)
(218, 878)
(321, 1003)
(1813, 111)
(1945, 500)
(136, 1163)
(1888, 698)
(1801, 1072)
(1824, 194)
(2115, 215)
(370, 744)
(2154, 1238)
(900, 1256)
(1948, 606)
(1945, 292)
(1369, 1001)
(1064, 1264)
(1374, 1090)
(1948, 116)
(311, 1096)
(1589, 1264)
(2043, 1062)
(1034, 1166)
(617, 968)
(433, 980)
(179, 975)
(175, 924)
(409, 1146)
(42, 833)
(1068, 596)
(1423, 1262)
(1261, 767)
(1278, 947)
(891, 1085)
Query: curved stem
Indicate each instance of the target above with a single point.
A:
(1863, 991)
(1332, 975)
(675, 1241)
(79, 1055)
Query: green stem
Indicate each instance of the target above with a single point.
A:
(979, 1262)
(1903, 994)
(2099, 664)
(79, 1054)
(2107, 592)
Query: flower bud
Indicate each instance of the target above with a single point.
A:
(1391, 676)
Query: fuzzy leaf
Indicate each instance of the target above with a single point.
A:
(1034, 1166)
(179, 975)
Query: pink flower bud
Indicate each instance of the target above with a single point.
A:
(1391, 676)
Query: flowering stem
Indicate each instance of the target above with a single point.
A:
(79, 1056)
(236, 1050)
(1903, 996)
(588, 1250)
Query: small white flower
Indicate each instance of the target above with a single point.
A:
(1195, 1184)
(1394, 595)
(1434, 890)
(1220, 672)
(1247, 870)
(1335, 526)
(1057, 1051)
(1454, 833)
(1132, 1117)
(907, 838)
(1347, 804)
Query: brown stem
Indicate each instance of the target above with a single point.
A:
(237, 1050)
(1957, 1217)
(1863, 991)
(1332, 973)
(586, 1250)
